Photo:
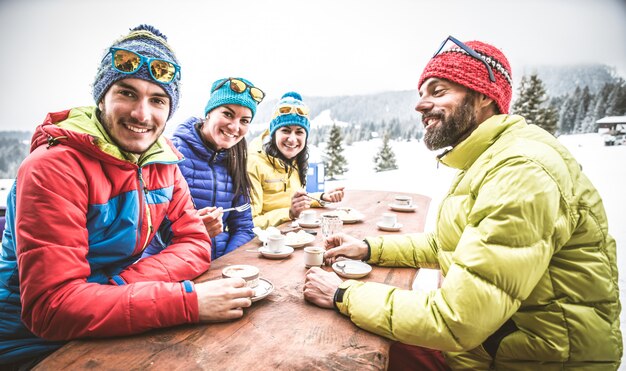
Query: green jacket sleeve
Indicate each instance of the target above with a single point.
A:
(505, 247)
(417, 250)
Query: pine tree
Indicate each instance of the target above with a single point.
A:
(532, 104)
(581, 112)
(385, 159)
(334, 161)
(616, 101)
(567, 115)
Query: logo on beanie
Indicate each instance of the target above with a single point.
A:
(146, 43)
(290, 110)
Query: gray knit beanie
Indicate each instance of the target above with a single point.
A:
(149, 42)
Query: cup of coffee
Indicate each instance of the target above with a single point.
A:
(249, 273)
(308, 216)
(313, 256)
(275, 242)
(403, 200)
(389, 219)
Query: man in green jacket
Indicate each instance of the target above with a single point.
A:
(521, 238)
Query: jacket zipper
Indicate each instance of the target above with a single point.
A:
(287, 178)
(143, 193)
(211, 163)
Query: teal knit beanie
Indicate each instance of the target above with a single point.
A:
(290, 99)
(225, 95)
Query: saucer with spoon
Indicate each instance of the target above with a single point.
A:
(351, 268)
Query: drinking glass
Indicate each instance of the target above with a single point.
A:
(331, 224)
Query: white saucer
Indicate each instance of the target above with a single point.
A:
(354, 218)
(267, 253)
(348, 215)
(405, 208)
(383, 227)
(300, 240)
(315, 224)
(263, 289)
(352, 269)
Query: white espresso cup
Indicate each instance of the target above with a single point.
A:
(389, 219)
(308, 216)
(313, 256)
(403, 200)
(275, 242)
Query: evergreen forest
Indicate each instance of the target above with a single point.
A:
(563, 100)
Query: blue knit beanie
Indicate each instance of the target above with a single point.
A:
(149, 42)
(291, 99)
(225, 95)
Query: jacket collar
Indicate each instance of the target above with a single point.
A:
(80, 128)
(465, 153)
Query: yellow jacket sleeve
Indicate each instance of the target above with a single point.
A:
(504, 250)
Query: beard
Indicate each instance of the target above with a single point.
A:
(453, 128)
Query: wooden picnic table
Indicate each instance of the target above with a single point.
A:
(281, 331)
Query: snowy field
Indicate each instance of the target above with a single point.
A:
(418, 173)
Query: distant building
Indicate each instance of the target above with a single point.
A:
(613, 130)
(612, 123)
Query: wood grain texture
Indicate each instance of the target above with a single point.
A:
(281, 332)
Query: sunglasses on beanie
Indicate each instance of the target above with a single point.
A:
(471, 52)
(129, 62)
(239, 87)
(287, 109)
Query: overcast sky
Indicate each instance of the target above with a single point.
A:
(51, 48)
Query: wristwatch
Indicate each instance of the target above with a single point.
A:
(340, 292)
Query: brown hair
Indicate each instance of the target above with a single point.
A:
(301, 161)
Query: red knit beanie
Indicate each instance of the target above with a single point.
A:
(457, 66)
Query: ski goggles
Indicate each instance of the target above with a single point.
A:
(469, 51)
(239, 87)
(287, 109)
(129, 62)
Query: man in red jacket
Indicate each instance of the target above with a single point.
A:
(87, 200)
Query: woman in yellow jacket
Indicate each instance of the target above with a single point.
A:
(277, 166)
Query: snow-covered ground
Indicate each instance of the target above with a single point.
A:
(418, 173)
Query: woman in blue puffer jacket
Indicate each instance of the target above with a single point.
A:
(215, 153)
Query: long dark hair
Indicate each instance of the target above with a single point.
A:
(301, 161)
(235, 164)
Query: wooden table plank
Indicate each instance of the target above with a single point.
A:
(281, 331)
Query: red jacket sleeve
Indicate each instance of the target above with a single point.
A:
(52, 246)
